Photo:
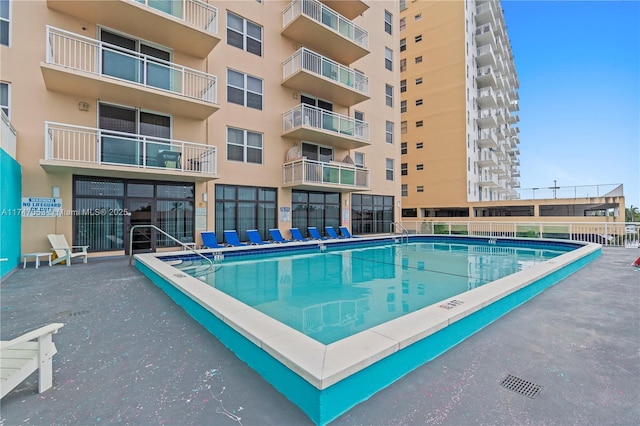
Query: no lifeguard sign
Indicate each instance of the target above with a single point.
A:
(41, 207)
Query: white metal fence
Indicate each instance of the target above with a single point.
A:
(327, 16)
(67, 142)
(8, 136)
(322, 119)
(313, 62)
(194, 12)
(81, 53)
(608, 234)
(304, 171)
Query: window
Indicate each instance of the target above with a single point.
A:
(403, 44)
(371, 214)
(419, 145)
(405, 190)
(403, 106)
(403, 86)
(419, 167)
(358, 159)
(245, 207)
(417, 17)
(419, 188)
(419, 123)
(4, 22)
(389, 168)
(388, 59)
(404, 169)
(418, 59)
(403, 127)
(403, 24)
(4, 98)
(403, 65)
(418, 38)
(388, 92)
(403, 4)
(389, 132)
(418, 81)
(243, 89)
(125, 56)
(117, 149)
(418, 102)
(388, 20)
(244, 145)
(403, 148)
(244, 34)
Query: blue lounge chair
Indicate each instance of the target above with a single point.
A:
(315, 234)
(277, 237)
(331, 232)
(209, 240)
(345, 232)
(296, 234)
(254, 237)
(231, 237)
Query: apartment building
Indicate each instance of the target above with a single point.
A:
(459, 123)
(198, 115)
(459, 104)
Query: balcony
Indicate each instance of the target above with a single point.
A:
(485, 14)
(309, 123)
(8, 136)
(189, 26)
(349, 9)
(316, 175)
(489, 181)
(309, 72)
(486, 119)
(85, 150)
(486, 77)
(486, 158)
(484, 35)
(487, 139)
(485, 56)
(513, 119)
(487, 98)
(320, 28)
(86, 67)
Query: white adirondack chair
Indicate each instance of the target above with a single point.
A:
(64, 251)
(20, 357)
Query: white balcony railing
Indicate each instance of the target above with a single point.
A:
(313, 62)
(196, 13)
(310, 172)
(84, 54)
(65, 142)
(321, 119)
(8, 136)
(328, 17)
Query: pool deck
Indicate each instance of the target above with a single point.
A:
(128, 354)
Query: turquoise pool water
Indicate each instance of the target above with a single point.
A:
(333, 294)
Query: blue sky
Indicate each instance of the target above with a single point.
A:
(578, 63)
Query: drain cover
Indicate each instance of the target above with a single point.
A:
(521, 386)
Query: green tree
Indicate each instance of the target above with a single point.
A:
(632, 214)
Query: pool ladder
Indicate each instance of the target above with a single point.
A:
(184, 246)
(393, 229)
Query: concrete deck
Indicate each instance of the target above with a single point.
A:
(127, 354)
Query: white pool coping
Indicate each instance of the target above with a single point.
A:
(325, 365)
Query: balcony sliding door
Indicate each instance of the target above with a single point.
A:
(149, 136)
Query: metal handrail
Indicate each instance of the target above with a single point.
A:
(166, 234)
(398, 225)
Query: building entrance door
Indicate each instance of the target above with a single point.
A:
(140, 213)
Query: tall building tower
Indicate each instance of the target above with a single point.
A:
(458, 84)
(196, 115)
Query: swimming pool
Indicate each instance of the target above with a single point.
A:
(326, 379)
(335, 293)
